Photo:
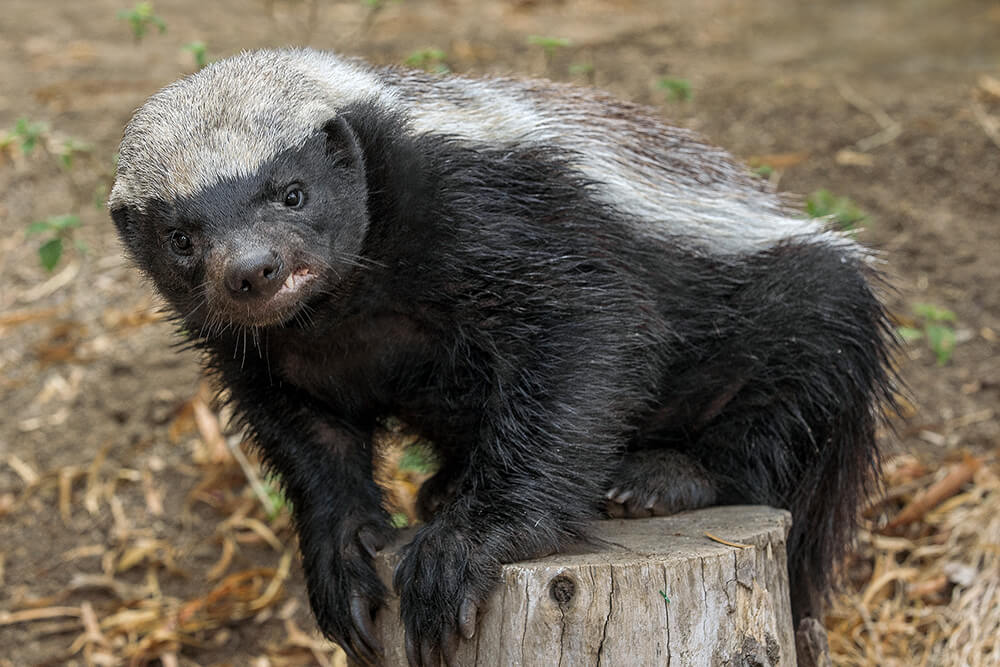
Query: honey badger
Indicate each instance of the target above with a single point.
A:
(584, 309)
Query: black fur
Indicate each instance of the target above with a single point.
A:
(483, 295)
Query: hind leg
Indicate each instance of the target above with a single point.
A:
(658, 482)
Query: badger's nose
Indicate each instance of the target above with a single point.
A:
(254, 274)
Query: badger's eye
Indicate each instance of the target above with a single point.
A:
(294, 198)
(180, 242)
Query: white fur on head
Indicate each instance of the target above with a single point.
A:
(236, 114)
(230, 118)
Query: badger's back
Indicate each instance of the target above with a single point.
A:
(237, 113)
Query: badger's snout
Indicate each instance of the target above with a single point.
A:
(259, 283)
(254, 274)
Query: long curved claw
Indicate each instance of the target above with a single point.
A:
(412, 653)
(467, 613)
(430, 656)
(371, 542)
(449, 648)
(364, 627)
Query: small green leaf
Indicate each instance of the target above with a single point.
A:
(62, 222)
(50, 252)
(140, 18)
(548, 44)
(29, 134)
(909, 334)
(39, 227)
(199, 51)
(678, 90)
(933, 313)
(57, 223)
(941, 339)
(399, 520)
(840, 210)
(417, 457)
(101, 196)
(431, 60)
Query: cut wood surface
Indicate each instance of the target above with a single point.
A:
(644, 592)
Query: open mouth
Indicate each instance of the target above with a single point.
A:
(295, 281)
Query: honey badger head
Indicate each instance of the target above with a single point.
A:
(241, 194)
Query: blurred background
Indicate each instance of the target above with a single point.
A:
(132, 527)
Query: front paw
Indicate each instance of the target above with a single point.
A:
(442, 580)
(344, 590)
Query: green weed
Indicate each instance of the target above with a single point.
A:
(418, 457)
(549, 46)
(677, 90)
(141, 18)
(69, 149)
(198, 51)
(59, 231)
(276, 498)
(844, 214)
(431, 60)
(27, 134)
(935, 326)
(585, 70)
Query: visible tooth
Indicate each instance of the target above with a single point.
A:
(289, 281)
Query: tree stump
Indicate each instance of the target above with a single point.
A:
(644, 592)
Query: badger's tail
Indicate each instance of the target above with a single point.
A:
(812, 350)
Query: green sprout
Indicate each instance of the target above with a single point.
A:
(549, 44)
(665, 597)
(765, 171)
(141, 18)
(585, 70)
(374, 8)
(418, 457)
(28, 134)
(276, 498)
(678, 90)
(100, 196)
(399, 520)
(58, 229)
(198, 51)
(934, 326)
(431, 60)
(71, 147)
(844, 214)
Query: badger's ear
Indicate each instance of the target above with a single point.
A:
(342, 143)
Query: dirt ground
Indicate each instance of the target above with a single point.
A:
(110, 504)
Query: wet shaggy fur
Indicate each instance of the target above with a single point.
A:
(572, 339)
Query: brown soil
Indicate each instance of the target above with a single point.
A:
(93, 393)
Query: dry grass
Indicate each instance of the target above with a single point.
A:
(925, 588)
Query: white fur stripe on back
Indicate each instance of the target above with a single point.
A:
(236, 114)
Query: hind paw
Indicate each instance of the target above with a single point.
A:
(658, 483)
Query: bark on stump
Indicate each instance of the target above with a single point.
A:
(646, 592)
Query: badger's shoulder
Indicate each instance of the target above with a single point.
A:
(230, 118)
